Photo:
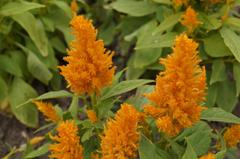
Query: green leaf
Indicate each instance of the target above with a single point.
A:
(146, 57)
(212, 95)
(147, 150)
(163, 1)
(124, 86)
(226, 98)
(21, 92)
(210, 22)
(38, 152)
(134, 8)
(218, 71)
(64, 6)
(167, 23)
(236, 74)
(219, 115)
(87, 135)
(8, 65)
(189, 153)
(35, 30)
(13, 8)
(133, 72)
(232, 40)
(3, 89)
(210, 44)
(54, 94)
(74, 106)
(38, 69)
(232, 22)
(105, 106)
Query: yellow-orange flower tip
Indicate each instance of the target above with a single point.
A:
(180, 89)
(67, 142)
(120, 137)
(90, 66)
(36, 140)
(178, 3)
(74, 7)
(208, 156)
(48, 110)
(190, 20)
(92, 116)
(232, 135)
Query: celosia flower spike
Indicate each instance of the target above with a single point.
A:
(232, 136)
(67, 146)
(48, 110)
(120, 138)
(90, 66)
(180, 89)
(208, 156)
(92, 115)
(190, 20)
(74, 7)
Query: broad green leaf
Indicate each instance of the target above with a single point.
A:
(8, 65)
(147, 150)
(87, 135)
(210, 22)
(226, 98)
(123, 87)
(58, 44)
(236, 74)
(167, 23)
(163, 1)
(38, 69)
(105, 106)
(21, 92)
(73, 108)
(233, 22)
(218, 71)
(38, 152)
(3, 89)
(210, 44)
(133, 72)
(157, 41)
(232, 40)
(13, 8)
(146, 57)
(189, 153)
(212, 95)
(219, 115)
(64, 6)
(35, 30)
(134, 8)
(54, 94)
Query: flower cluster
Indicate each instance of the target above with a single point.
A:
(120, 138)
(190, 20)
(48, 110)
(180, 89)
(90, 66)
(208, 156)
(232, 136)
(67, 146)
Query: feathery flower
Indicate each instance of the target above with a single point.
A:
(48, 111)
(232, 136)
(120, 138)
(90, 66)
(180, 89)
(92, 116)
(208, 156)
(67, 146)
(178, 3)
(190, 20)
(74, 7)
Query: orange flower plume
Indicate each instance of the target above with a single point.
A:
(180, 89)
(120, 137)
(178, 3)
(208, 156)
(232, 136)
(90, 66)
(92, 116)
(48, 111)
(74, 7)
(67, 146)
(190, 20)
